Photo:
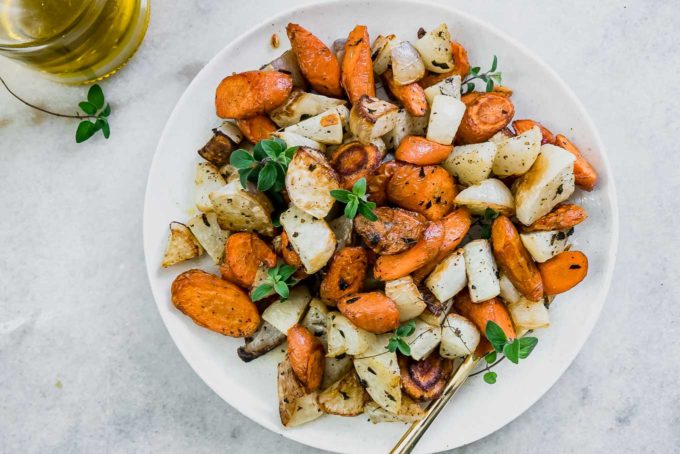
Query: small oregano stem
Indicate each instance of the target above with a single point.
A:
(33, 106)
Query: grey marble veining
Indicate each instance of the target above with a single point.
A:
(86, 364)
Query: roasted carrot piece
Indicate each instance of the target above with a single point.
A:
(215, 304)
(456, 225)
(563, 216)
(376, 184)
(485, 115)
(425, 379)
(307, 356)
(480, 313)
(251, 93)
(428, 190)
(395, 230)
(357, 66)
(390, 267)
(412, 96)
(243, 254)
(345, 276)
(372, 311)
(256, 128)
(418, 150)
(514, 260)
(585, 175)
(563, 272)
(288, 253)
(353, 161)
(521, 126)
(317, 62)
(461, 67)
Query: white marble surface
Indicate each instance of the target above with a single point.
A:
(85, 362)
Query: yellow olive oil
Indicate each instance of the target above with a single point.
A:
(73, 40)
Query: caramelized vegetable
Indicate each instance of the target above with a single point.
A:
(290, 256)
(412, 96)
(563, 272)
(461, 67)
(486, 114)
(243, 254)
(353, 161)
(418, 150)
(376, 184)
(480, 313)
(357, 66)
(563, 216)
(251, 93)
(428, 190)
(390, 267)
(425, 379)
(346, 274)
(215, 304)
(317, 62)
(456, 226)
(521, 126)
(307, 357)
(394, 231)
(584, 174)
(514, 260)
(373, 311)
(256, 128)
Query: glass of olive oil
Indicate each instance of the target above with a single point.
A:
(73, 41)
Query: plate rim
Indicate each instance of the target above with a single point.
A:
(611, 192)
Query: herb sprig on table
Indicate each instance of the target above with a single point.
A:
(95, 107)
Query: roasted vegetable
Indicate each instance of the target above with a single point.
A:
(208, 179)
(515, 155)
(584, 174)
(284, 314)
(381, 53)
(325, 127)
(411, 95)
(373, 311)
(390, 267)
(544, 245)
(445, 118)
(311, 238)
(318, 64)
(435, 50)
(256, 128)
(301, 105)
(357, 66)
(424, 339)
(482, 271)
(182, 245)
(428, 190)
(306, 356)
(409, 412)
(485, 115)
(376, 184)
(218, 149)
(296, 406)
(448, 277)
(406, 296)
(353, 161)
(425, 379)
(251, 93)
(346, 397)
(345, 276)
(264, 340)
(379, 373)
(489, 193)
(450, 86)
(371, 118)
(287, 63)
(527, 314)
(420, 151)
(481, 313)
(346, 338)
(563, 272)
(243, 254)
(215, 304)
(395, 230)
(460, 337)
(521, 126)
(562, 217)
(309, 181)
(239, 209)
(407, 67)
(208, 233)
(471, 164)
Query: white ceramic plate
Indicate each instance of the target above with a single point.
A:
(251, 388)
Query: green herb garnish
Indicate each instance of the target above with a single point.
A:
(513, 349)
(491, 77)
(397, 343)
(486, 221)
(356, 200)
(280, 279)
(266, 166)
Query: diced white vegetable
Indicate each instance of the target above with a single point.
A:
(238, 209)
(315, 320)
(516, 155)
(409, 412)
(301, 105)
(208, 179)
(207, 231)
(407, 67)
(311, 238)
(343, 111)
(489, 193)
(436, 311)
(344, 398)
(378, 369)
(296, 406)
(229, 129)
(342, 228)
(382, 53)
(445, 117)
(508, 291)
(182, 245)
(471, 164)
(296, 140)
(424, 339)
(325, 127)
(371, 118)
(404, 125)
(449, 87)
(527, 314)
(544, 245)
(549, 182)
(405, 294)
(345, 337)
(435, 49)
(336, 368)
(309, 182)
(481, 271)
(282, 315)
(288, 62)
(460, 337)
(449, 277)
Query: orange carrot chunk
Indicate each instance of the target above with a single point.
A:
(563, 272)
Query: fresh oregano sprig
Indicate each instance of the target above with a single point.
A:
(95, 108)
(356, 200)
(513, 349)
(491, 78)
(397, 342)
(280, 279)
(266, 165)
